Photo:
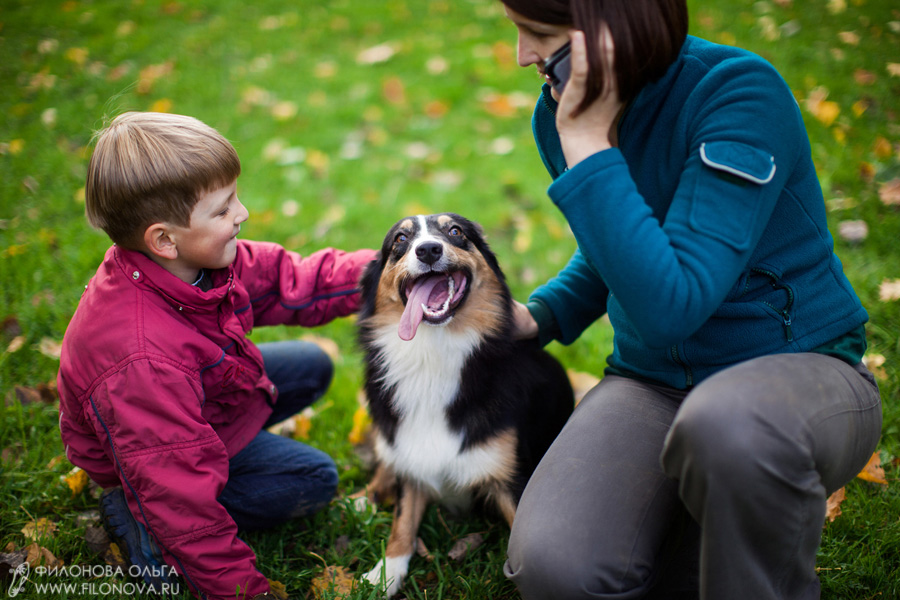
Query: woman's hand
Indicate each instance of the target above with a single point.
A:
(589, 132)
(524, 325)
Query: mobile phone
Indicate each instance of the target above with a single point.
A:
(558, 67)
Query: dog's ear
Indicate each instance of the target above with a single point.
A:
(475, 234)
(368, 284)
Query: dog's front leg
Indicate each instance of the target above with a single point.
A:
(390, 571)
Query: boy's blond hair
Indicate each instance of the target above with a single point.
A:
(152, 168)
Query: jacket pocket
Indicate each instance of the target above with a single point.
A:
(727, 196)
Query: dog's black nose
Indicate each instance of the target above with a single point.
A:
(429, 252)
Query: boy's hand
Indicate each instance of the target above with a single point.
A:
(524, 325)
(589, 132)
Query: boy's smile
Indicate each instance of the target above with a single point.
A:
(210, 241)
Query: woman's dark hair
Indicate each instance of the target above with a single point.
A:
(648, 35)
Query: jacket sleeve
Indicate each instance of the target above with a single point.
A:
(567, 304)
(287, 288)
(173, 467)
(670, 277)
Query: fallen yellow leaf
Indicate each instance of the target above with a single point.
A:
(394, 90)
(77, 55)
(278, 589)
(833, 505)
(163, 105)
(77, 480)
(822, 109)
(873, 470)
(883, 148)
(39, 528)
(336, 580)
(302, 425)
(361, 422)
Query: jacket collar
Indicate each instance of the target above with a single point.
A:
(144, 273)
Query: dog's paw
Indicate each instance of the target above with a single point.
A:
(388, 574)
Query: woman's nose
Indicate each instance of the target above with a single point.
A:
(526, 54)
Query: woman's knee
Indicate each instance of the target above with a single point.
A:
(544, 563)
(734, 429)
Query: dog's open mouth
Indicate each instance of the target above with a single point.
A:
(432, 298)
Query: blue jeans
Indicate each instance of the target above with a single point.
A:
(274, 478)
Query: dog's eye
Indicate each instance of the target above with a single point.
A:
(455, 231)
(400, 239)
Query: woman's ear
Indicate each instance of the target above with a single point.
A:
(160, 241)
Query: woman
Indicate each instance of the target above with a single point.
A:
(735, 400)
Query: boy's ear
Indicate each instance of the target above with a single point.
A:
(160, 242)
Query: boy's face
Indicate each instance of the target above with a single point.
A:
(210, 242)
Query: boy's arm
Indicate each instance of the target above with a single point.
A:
(286, 288)
(173, 467)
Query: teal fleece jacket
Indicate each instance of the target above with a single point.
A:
(703, 236)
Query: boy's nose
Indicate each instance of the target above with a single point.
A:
(242, 214)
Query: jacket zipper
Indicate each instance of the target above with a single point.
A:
(688, 376)
(786, 311)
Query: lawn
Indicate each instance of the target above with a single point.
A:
(347, 116)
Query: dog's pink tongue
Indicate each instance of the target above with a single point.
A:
(418, 295)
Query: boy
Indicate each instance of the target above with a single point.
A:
(161, 391)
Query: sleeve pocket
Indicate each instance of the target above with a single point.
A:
(727, 199)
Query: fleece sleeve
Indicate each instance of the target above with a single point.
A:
(287, 288)
(669, 277)
(173, 467)
(566, 305)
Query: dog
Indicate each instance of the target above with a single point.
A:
(460, 410)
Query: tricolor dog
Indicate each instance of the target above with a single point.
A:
(461, 410)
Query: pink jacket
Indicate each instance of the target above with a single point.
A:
(159, 386)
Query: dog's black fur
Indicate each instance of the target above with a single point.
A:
(512, 397)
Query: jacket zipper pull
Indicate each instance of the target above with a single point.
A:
(786, 317)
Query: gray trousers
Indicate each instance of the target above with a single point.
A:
(719, 493)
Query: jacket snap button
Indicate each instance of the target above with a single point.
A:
(272, 389)
(136, 275)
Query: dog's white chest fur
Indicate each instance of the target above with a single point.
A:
(425, 376)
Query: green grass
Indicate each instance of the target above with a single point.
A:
(426, 137)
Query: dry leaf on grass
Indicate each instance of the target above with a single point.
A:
(833, 505)
(889, 290)
(278, 589)
(39, 528)
(582, 383)
(873, 470)
(890, 192)
(361, 423)
(113, 556)
(336, 580)
(97, 539)
(422, 550)
(37, 556)
(77, 480)
(464, 545)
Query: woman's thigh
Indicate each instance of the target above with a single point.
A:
(595, 516)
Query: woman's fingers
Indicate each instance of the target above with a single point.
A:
(573, 93)
(608, 57)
